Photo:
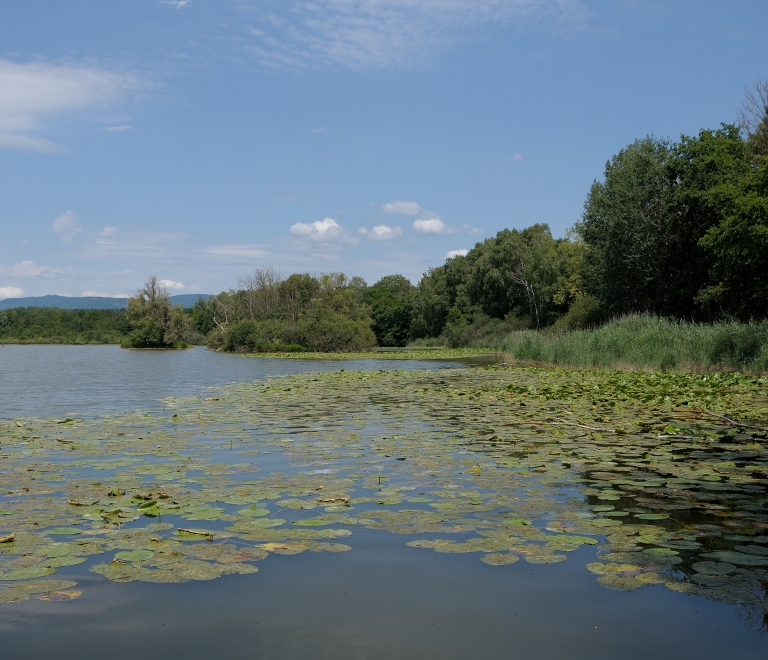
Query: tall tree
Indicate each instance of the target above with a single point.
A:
(631, 254)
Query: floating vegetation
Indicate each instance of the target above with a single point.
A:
(655, 479)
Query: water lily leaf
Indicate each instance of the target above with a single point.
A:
(10, 595)
(330, 547)
(619, 582)
(135, 555)
(728, 556)
(28, 573)
(58, 562)
(202, 513)
(288, 548)
(196, 533)
(63, 595)
(64, 531)
(10, 538)
(498, 559)
(652, 516)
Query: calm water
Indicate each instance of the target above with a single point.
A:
(382, 600)
(44, 381)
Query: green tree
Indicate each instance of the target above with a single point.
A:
(391, 304)
(155, 322)
(738, 249)
(631, 251)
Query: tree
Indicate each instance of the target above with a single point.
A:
(630, 247)
(738, 249)
(753, 119)
(391, 303)
(155, 323)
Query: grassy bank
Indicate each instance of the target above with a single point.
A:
(384, 354)
(646, 342)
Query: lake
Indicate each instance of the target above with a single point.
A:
(444, 511)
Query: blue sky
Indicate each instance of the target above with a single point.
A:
(199, 139)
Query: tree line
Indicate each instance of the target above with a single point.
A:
(677, 229)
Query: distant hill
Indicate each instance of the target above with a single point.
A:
(64, 302)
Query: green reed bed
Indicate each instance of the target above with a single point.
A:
(649, 343)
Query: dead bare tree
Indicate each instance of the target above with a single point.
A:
(261, 290)
(753, 117)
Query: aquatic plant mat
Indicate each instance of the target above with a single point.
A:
(661, 476)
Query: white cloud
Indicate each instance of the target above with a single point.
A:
(456, 253)
(10, 292)
(118, 129)
(319, 230)
(170, 284)
(33, 91)
(237, 250)
(176, 3)
(432, 225)
(384, 233)
(405, 208)
(27, 269)
(517, 157)
(66, 226)
(109, 231)
(380, 33)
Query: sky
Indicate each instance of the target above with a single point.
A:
(197, 140)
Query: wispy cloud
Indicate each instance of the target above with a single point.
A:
(96, 294)
(31, 92)
(405, 208)
(318, 130)
(118, 129)
(237, 250)
(66, 226)
(176, 3)
(382, 33)
(456, 253)
(10, 292)
(27, 269)
(381, 232)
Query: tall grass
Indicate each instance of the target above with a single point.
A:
(646, 342)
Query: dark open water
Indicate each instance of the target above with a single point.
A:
(382, 600)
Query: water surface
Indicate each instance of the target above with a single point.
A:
(381, 599)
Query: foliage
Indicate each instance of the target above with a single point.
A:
(271, 314)
(47, 325)
(518, 274)
(631, 257)
(155, 323)
(680, 229)
(647, 342)
(391, 304)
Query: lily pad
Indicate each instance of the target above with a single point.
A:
(135, 555)
(28, 573)
(498, 559)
